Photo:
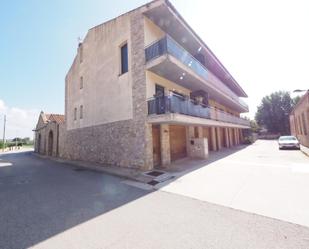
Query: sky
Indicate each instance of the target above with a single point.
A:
(263, 44)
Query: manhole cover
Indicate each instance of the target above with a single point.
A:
(80, 169)
(155, 173)
(153, 182)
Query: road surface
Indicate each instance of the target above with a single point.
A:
(45, 204)
(258, 179)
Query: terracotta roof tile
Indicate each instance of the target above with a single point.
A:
(58, 118)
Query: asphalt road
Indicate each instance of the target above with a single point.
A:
(44, 204)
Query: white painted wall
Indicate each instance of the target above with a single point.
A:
(107, 95)
(152, 32)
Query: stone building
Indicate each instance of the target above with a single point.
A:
(144, 90)
(47, 134)
(299, 120)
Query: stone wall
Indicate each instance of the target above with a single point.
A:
(299, 120)
(42, 147)
(62, 144)
(40, 141)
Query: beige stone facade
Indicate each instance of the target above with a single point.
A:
(49, 134)
(175, 100)
(299, 120)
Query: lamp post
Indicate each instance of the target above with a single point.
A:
(299, 91)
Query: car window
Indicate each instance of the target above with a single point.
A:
(287, 139)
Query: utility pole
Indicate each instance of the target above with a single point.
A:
(3, 141)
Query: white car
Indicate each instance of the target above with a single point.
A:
(288, 142)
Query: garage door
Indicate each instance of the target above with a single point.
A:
(206, 134)
(178, 142)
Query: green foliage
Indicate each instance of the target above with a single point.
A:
(295, 100)
(274, 111)
(22, 141)
(1, 145)
(254, 126)
(248, 140)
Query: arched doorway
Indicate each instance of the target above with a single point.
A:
(38, 148)
(50, 143)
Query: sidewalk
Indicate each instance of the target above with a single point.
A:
(304, 149)
(127, 173)
(161, 176)
(6, 151)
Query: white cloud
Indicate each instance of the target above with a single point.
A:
(19, 122)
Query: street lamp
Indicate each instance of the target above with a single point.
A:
(299, 91)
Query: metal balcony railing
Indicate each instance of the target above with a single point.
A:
(179, 104)
(167, 45)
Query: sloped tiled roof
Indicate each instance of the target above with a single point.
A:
(58, 118)
(45, 118)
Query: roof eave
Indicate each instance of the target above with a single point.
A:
(242, 93)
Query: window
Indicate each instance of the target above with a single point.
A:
(124, 58)
(81, 52)
(300, 127)
(81, 110)
(304, 123)
(81, 82)
(75, 113)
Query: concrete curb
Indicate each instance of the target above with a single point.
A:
(304, 149)
(126, 173)
(16, 151)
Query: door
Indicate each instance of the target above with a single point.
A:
(160, 99)
(39, 144)
(156, 145)
(206, 133)
(178, 144)
(50, 143)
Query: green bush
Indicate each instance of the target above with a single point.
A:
(248, 140)
(1, 145)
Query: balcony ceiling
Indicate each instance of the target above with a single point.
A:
(168, 68)
(173, 24)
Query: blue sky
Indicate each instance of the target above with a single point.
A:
(264, 45)
(38, 45)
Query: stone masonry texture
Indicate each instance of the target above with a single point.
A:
(125, 143)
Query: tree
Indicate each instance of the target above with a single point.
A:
(1, 145)
(295, 100)
(16, 139)
(273, 113)
(254, 126)
(26, 140)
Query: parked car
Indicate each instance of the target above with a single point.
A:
(288, 142)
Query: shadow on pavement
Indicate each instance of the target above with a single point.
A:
(41, 198)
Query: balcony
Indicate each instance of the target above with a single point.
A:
(168, 59)
(181, 105)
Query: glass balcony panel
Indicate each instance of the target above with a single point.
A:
(181, 105)
(169, 46)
